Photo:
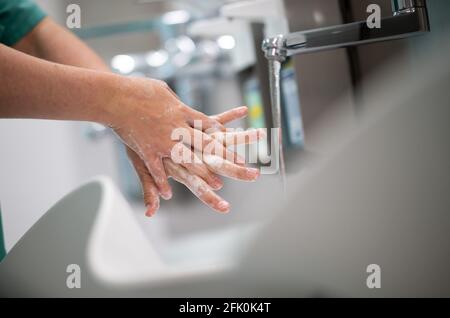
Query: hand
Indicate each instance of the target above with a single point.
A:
(145, 112)
(195, 182)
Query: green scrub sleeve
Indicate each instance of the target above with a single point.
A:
(17, 19)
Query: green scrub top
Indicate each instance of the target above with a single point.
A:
(17, 19)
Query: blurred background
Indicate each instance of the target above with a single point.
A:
(209, 53)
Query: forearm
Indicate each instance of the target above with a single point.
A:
(51, 42)
(34, 88)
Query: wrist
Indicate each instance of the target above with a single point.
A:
(126, 96)
(110, 99)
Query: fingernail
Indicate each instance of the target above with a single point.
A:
(218, 183)
(224, 206)
(253, 173)
(166, 195)
(217, 186)
(151, 209)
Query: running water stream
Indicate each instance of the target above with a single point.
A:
(274, 78)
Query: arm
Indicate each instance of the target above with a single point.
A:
(51, 42)
(34, 88)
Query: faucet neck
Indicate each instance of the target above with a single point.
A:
(275, 48)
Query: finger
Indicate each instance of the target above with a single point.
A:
(156, 169)
(231, 115)
(197, 186)
(231, 170)
(151, 194)
(234, 138)
(200, 121)
(209, 146)
(193, 164)
(149, 189)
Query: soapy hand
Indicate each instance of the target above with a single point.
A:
(194, 179)
(144, 114)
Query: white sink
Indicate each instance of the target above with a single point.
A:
(95, 228)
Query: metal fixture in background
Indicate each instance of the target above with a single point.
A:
(409, 18)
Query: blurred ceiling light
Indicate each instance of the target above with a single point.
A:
(176, 17)
(181, 59)
(226, 42)
(123, 63)
(157, 58)
(185, 44)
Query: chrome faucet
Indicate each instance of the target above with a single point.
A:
(409, 18)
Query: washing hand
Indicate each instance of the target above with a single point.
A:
(196, 176)
(144, 114)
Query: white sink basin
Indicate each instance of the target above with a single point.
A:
(95, 228)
